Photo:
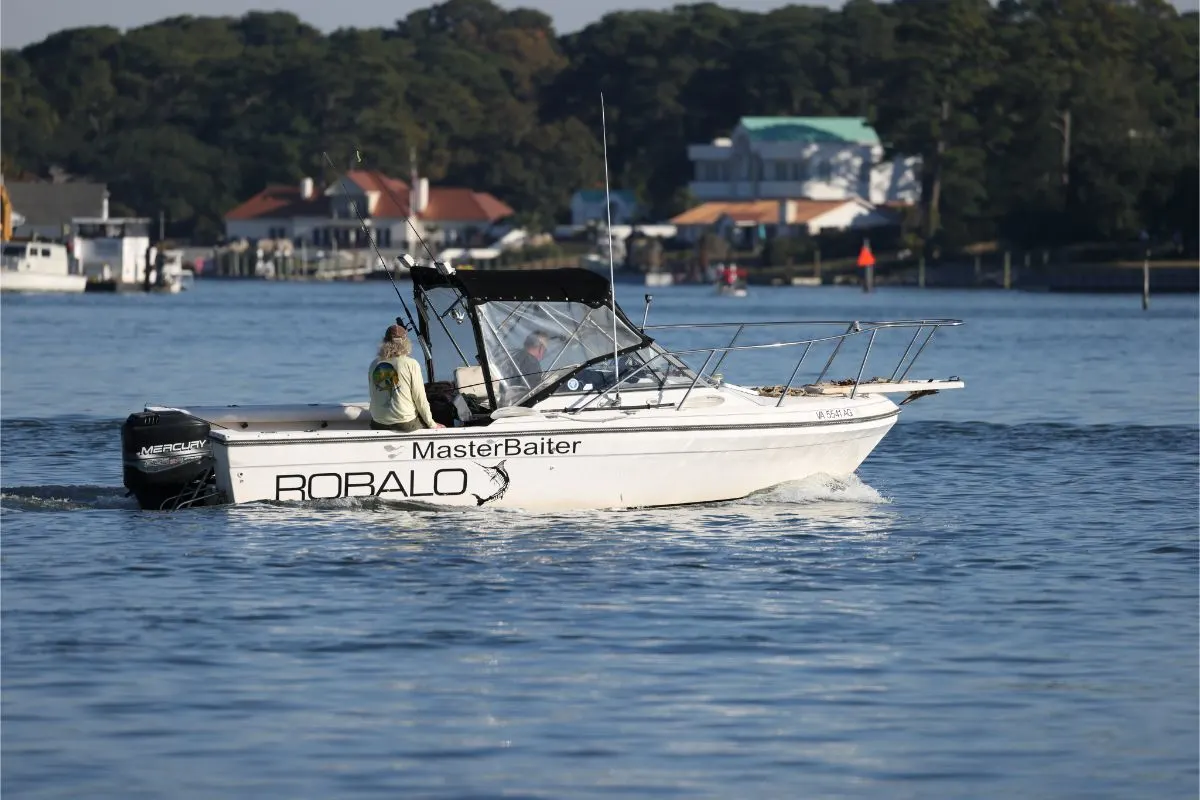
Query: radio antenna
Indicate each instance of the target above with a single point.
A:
(612, 285)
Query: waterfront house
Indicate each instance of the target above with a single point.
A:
(744, 222)
(809, 158)
(327, 218)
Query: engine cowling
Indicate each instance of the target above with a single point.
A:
(165, 454)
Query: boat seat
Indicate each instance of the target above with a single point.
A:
(469, 381)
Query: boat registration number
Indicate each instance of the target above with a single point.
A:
(836, 413)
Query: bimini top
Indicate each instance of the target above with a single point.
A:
(566, 285)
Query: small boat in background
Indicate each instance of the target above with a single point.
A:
(731, 280)
(37, 266)
(116, 255)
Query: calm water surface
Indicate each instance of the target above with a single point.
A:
(1001, 603)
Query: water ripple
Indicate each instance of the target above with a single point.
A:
(1001, 603)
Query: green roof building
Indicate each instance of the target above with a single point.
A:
(802, 158)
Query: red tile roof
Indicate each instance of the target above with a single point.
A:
(374, 180)
(392, 193)
(761, 211)
(446, 204)
(281, 202)
(463, 205)
(765, 211)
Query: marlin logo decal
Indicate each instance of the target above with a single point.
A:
(499, 476)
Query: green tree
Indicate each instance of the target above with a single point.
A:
(1042, 121)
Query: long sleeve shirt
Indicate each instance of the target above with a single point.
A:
(398, 392)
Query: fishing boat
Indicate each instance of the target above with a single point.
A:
(614, 418)
(37, 266)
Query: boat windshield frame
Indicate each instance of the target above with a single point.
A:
(564, 285)
(548, 288)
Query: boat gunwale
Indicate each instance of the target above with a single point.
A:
(231, 438)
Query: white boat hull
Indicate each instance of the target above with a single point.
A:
(611, 419)
(22, 281)
(554, 462)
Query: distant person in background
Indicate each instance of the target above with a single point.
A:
(398, 401)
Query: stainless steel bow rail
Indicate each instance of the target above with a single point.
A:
(855, 328)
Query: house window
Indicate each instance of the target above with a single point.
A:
(781, 170)
(825, 170)
(385, 237)
(276, 233)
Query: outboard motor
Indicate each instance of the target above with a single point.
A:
(168, 460)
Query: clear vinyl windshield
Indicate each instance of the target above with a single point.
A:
(531, 345)
(451, 335)
(649, 367)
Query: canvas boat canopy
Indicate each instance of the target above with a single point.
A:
(568, 285)
(570, 310)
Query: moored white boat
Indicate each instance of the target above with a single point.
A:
(612, 420)
(38, 267)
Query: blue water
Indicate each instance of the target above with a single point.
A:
(1002, 603)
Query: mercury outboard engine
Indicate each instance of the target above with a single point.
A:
(168, 460)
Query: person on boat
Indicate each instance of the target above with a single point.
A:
(398, 401)
(529, 360)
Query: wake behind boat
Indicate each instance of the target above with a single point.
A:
(611, 419)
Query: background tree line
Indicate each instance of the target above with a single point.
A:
(1040, 122)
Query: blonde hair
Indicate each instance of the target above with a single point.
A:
(394, 348)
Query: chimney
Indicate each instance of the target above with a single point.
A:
(420, 196)
(306, 188)
(104, 206)
(787, 212)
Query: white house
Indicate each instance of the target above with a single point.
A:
(587, 205)
(747, 220)
(329, 218)
(813, 158)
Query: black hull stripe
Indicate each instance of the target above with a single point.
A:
(559, 432)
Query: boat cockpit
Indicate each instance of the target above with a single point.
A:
(480, 330)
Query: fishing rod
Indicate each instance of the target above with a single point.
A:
(412, 324)
(443, 268)
(408, 217)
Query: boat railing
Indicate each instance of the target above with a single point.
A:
(856, 328)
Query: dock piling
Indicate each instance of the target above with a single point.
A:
(1146, 282)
